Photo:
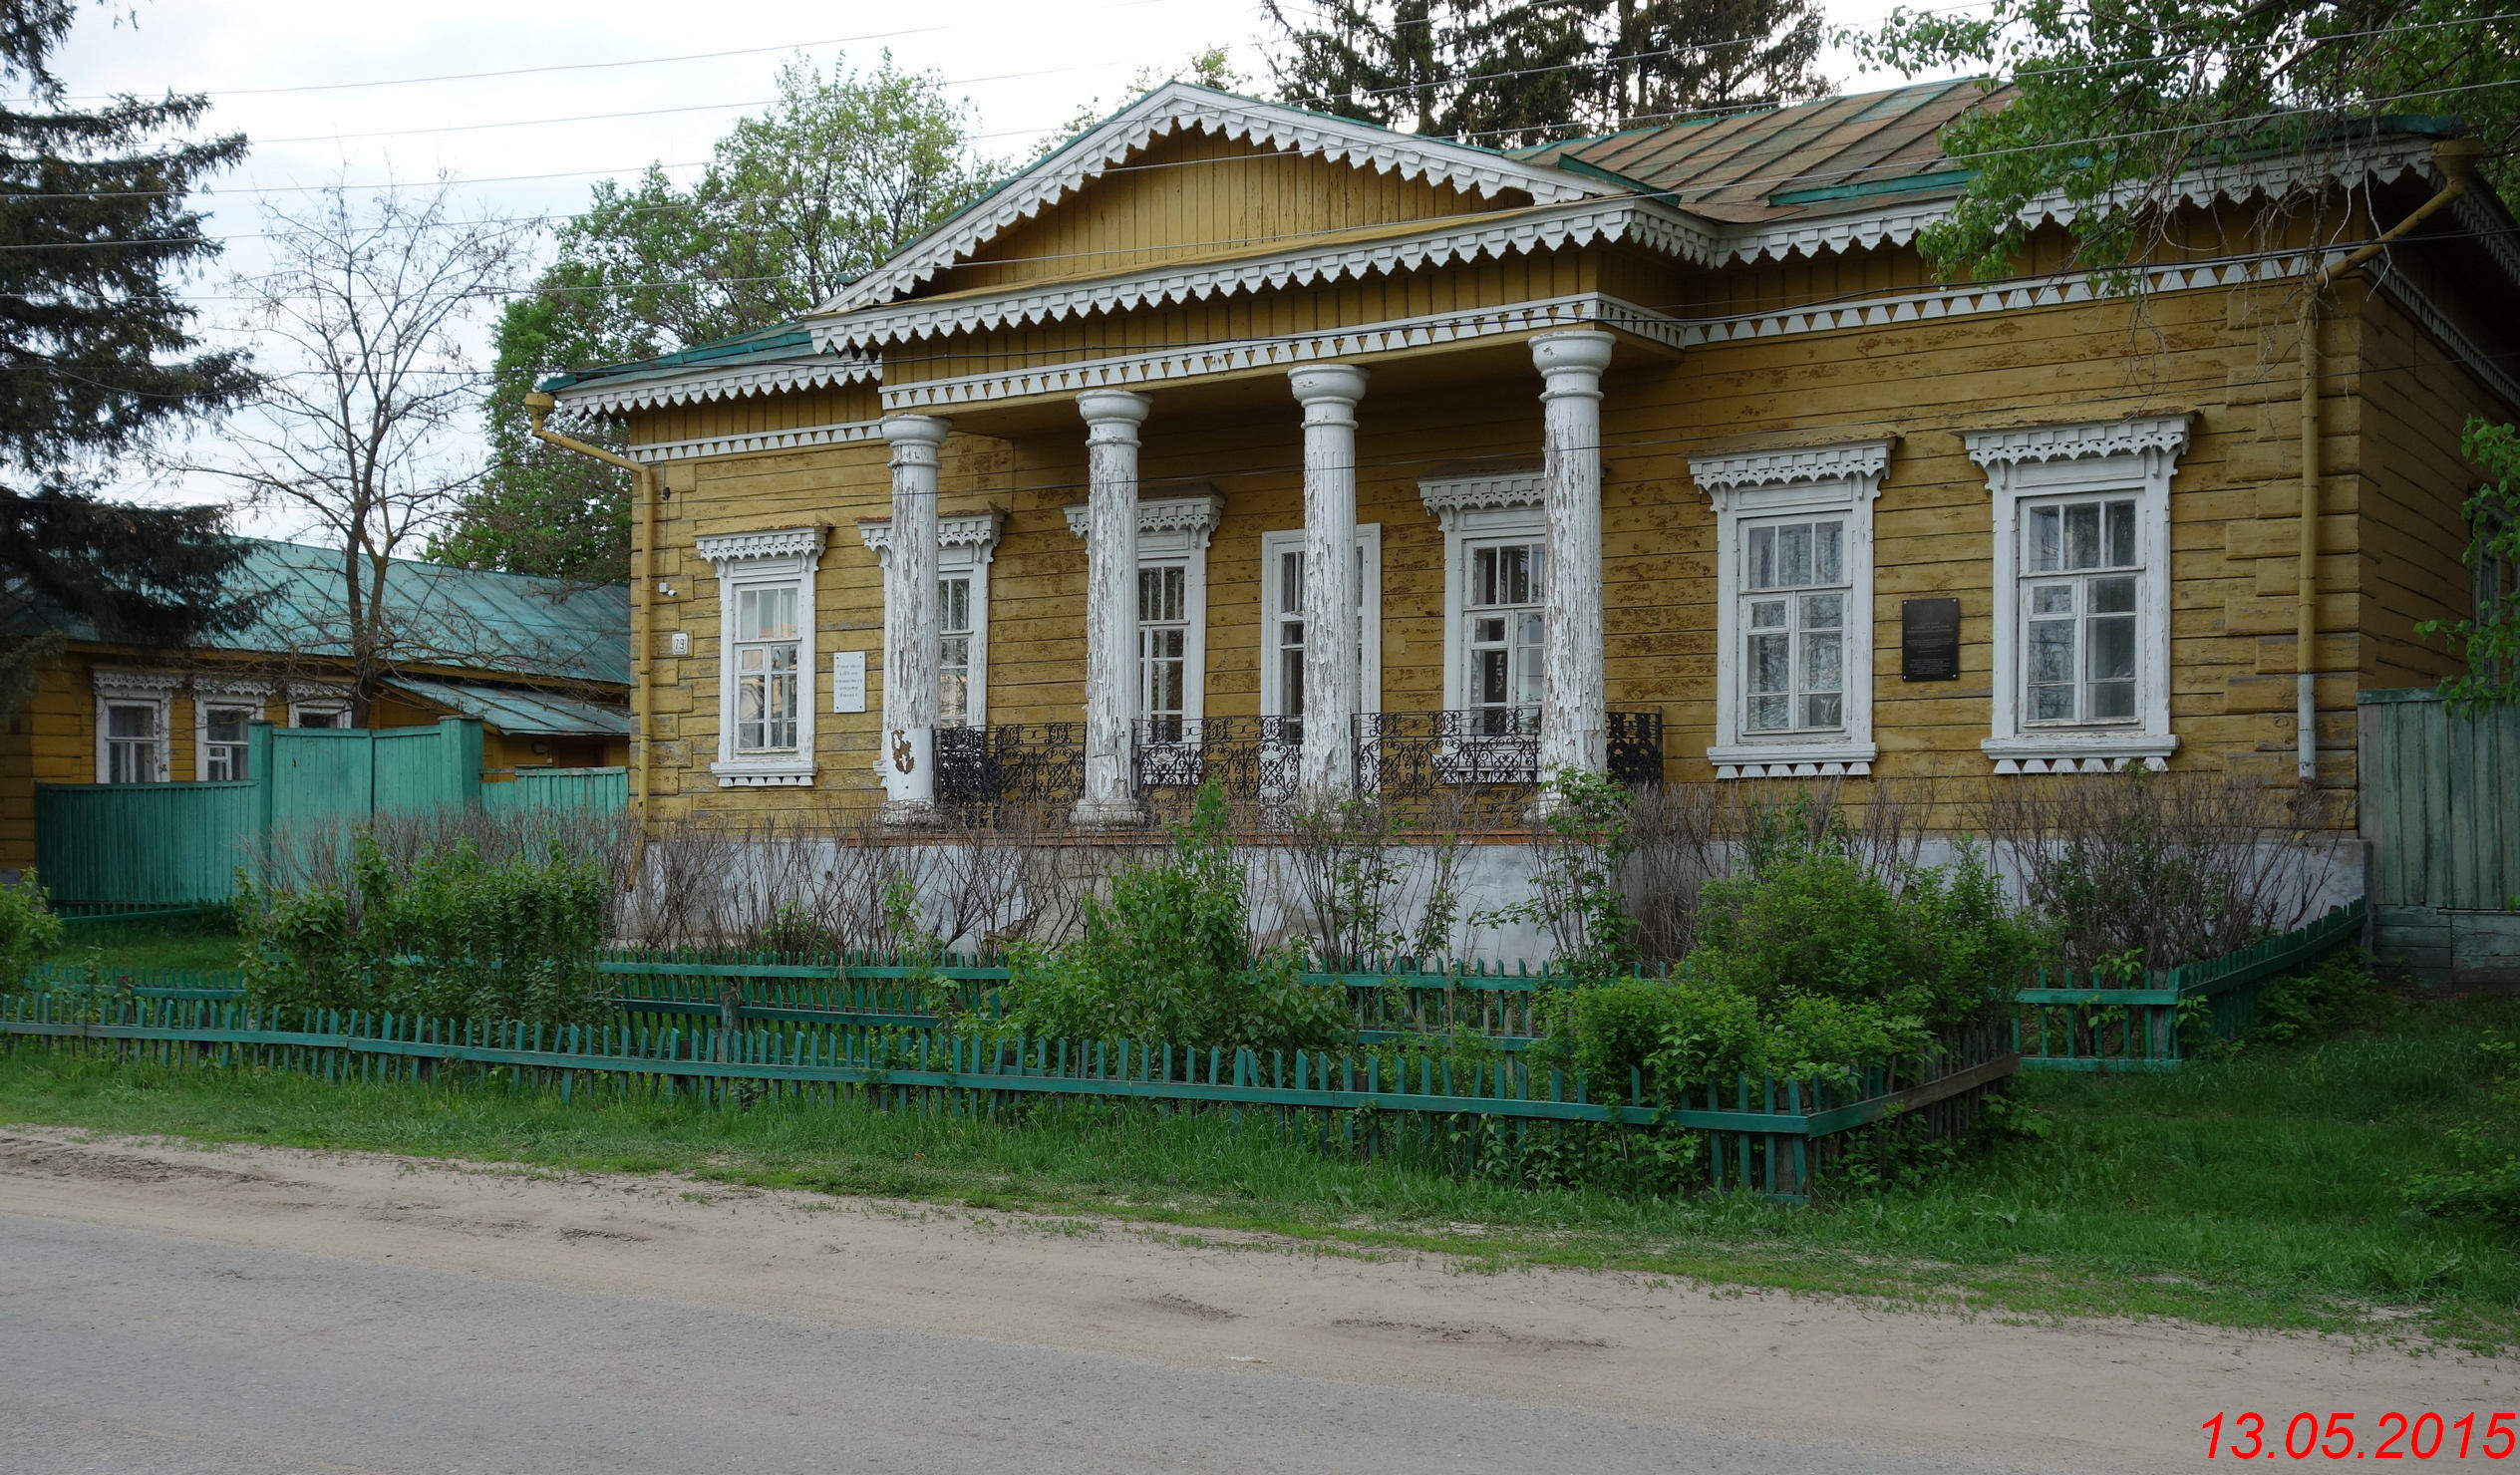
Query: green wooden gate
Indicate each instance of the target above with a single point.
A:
(173, 844)
(2440, 813)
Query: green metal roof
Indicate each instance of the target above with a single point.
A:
(777, 340)
(525, 714)
(437, 616)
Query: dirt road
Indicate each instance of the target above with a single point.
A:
(170, 1307)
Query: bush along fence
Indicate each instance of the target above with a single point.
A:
(2112, 1021)
(1441, 1103)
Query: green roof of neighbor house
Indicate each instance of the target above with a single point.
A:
(438, 614)
(520, 711)
(760, 344)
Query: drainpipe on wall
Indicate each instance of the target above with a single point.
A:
(2456, 159)
(645, 484)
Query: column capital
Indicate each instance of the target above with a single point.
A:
(914, 438)
(1572, 362)
(1325, 390)
(1114, 415)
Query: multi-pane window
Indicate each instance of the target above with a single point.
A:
(953, 647)
(224, 743)
(765, 669)
(2081, 572)
(1286, 632)
(1503, 634)
(1793, 626)
(1163, 647)
(131, 742)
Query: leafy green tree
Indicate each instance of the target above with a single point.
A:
(841, 171)
(2490, 638)
(2111, 103)
(1505, 73)
(97, 354)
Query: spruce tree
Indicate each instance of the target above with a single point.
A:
(97, 351)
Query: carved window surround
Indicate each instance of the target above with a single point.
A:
(964, 548)
(785, 556)
(1175, 531)
(1759, 487)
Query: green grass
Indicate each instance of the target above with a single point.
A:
(204, 940)
(2254, 1192)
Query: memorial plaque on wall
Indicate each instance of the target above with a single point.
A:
(1929, 640)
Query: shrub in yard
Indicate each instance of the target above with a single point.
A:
(1167, 957)
(445, 934)
(28, 929)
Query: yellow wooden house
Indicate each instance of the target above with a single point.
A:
(1661, 455)
(544, 664)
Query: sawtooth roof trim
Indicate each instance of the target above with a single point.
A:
(1174, 108)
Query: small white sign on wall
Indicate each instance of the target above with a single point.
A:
(848, 681)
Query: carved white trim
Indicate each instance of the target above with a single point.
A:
(794, 772)
(1754, 486)
(1152, 366)
(1194, 518)
(1785, 468)
(723, 548)
(2127, 438)
(1179, 107)
(977, 531)
(701, 383)
(1449, 496)
(231, 687)
(211, 692)
(138, 686)
(2040, 463)
(1644, 223)
(838, 433)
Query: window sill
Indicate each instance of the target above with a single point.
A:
(2072, 753)
(1802, 758)
(789, 772)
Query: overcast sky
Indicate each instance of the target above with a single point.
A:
(328, 88)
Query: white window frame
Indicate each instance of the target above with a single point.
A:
(1505, 506)
(753, 560)
(2042, 463)
(309, 697)
(255, 695)
(965, 547)
(136, 689)
(1173, 531)
(1793, 485)
(1273, 546)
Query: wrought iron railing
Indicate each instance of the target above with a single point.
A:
(1032, 765)
(1257, 760)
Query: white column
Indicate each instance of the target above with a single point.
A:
(1573, 720)
(1332, 677)
(907, 757)
(1111, 418)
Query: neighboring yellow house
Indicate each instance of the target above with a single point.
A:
(544, 664)
(1662, 453)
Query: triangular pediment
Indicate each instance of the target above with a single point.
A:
(1475, 175)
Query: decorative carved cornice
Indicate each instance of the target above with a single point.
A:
(979, 530)
(1196, 516)
(226, 685)
(1449, 496)
(2167, 433)
(151, 686)
(1862, 460)
(702, 383)
(1179, 107)
(1156, 366)
(311, 691)
(737, 547)
(839, 432)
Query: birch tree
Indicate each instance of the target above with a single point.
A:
(360, 318)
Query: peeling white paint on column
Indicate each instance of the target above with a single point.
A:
(1573, 717)
(1332, 680)
(1111, 418)
(906, 756)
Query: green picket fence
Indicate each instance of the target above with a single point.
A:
(2106, 1024)
(1448, 1106)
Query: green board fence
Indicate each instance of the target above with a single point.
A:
(2106, 1024)
(2440, 816)
(179, 844)
(1768, 1134)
